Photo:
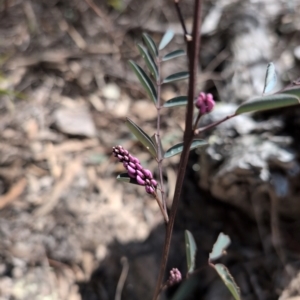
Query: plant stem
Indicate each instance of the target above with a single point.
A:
(159, 150)
(164, 213)
(176, 2)
(193, 53)
(212, 125)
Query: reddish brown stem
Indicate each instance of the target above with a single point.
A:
(193, 54)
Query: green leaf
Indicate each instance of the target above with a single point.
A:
(166, 39)
(173, 54)
(144, 80)
(142, 136)
(190, 249)
(176, 101)
(150, 44)
(223, 241)
(149, 61)
(186, 288)
(124, 177)
(295, 91)
(177, 149)
(270, 79)
(267, 102)
(228, 280)
(176, 76)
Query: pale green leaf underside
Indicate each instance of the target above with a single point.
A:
(150, 44)
(190, 249)
(177, 149)
(267, 102)
(124, 177)
(270, 79)
(142, 136)
(177, 76)
(176, 101)
(223, 241)
(228, 280)
(173, 54)
(149, 61)
(144, 80)
(166, 39)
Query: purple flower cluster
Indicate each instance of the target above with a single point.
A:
(205, 103)
(135, 170)
(175, 277)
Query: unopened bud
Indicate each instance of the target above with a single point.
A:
(175, 277)
(154, 182)
(140, 181)
(149, 189)
(205, 103)
(147, 173)
(131, 170)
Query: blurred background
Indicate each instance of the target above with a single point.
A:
(65, 90)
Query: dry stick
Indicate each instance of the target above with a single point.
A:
(159, 150)
(122, 278)
(193, 54)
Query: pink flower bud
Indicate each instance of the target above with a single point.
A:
(205, 103)
(210, 102)
(140, 181)
(131, 170)
(139, 167)
(149, 189)
(132, 165)
(135, 160)
(147, 173)
(120, 157)
(138, 172)
(175, 277)
(125, 164)
(154, 183)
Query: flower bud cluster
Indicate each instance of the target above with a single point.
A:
(135, 170)
(175, 277)
(205, 103)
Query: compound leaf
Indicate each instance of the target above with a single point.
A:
(294, 90)
(267, 102)
(177, 149)
(176, 101)
(190, 249)
(142, 136)
(166, 39)
(124, 177)
(270, 79)
(228, 280)
(223, 241)
(149, 61)
(150, 44)
(173, 54)
(177, 76)
(144, 80)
